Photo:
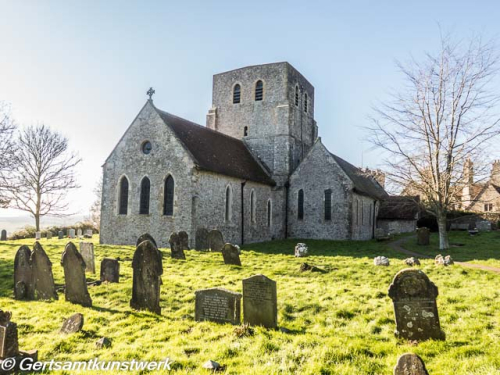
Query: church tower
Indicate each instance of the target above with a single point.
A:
(271, 108)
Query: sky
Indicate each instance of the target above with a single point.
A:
(83, 67)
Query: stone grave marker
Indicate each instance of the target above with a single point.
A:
(218, 305)
(74, 275)
(38, 236)
(423, 236)
(483, 226)
(73, 324)
(43, 279)
(184, 238)
(9, 344)
(79, 232)
(201, 240)
(381, 261)
(260, 303)
(88, 233)
(410, 364)
(144, 237)
(23, 277)
(231, 255)
(176, 249)
(415, 308)
(301, 250)
(49, 235)
(110, 270)
(87, 251)
(3, 236)
(215, 241)
(147, 270)
(71, 233)
(60, 235)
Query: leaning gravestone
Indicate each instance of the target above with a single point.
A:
(423, 236)
(74, 275)
(184, 238)
(147, 268)
(176, 249)
(38, 236)
(43, 279)
(49, 235)
(146, 237)
(23, 277)
(73, 324)
(260, 302)
(415, 308)
(410, 364)
(71, 233)
(9, 345)
(110, 270)
(3, 237)
(215, 241)
(231, 254)
(87, 251)
(201, 240)
(60, 235)
(217, 305)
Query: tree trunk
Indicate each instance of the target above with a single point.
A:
(37, 222)
(443, 234)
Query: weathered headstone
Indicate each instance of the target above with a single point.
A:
(201, 240)
(88, 233)
(147, 268)
(60, 235)
(176, 249)
(49, 235)
(74, 275)
(9, 344)
(423, 236)
(380, 234)
(301, 250)
(38, 236)
(215, 241)
(43, 279)
(415, 308)
(146, 237)
(260, 302)
(71, 233)
(79, 232)
(231, 254)
(87, 251)
(218, 305)
(3, 236)
(184, 238)
(103, 342)
(443, 261)
(410, 364)
(412, 261)
(110, 270)
(211, 365)
(73, 324)
(381, 261)
(483, 226)
(23, 277)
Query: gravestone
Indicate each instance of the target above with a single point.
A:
(88, 233)
(217, 305)
(412, 261)
(9, 344)
(38, 236)
(79, 232)
(71, 233)
(110, 270)
(380, 234)
(201, 240)
(423, 236)
(176, 249)
(301, 250)
(3, 237)
(483, 226)
(260, 302)
(381, 261)
(146, 237)
(73, 324)
(43, 279)
(415, 308)
(147, 269)
(87, 251)
(49, 235)
(215, 241)
(184, 238)
(410, 364)
(23, 277)
(60, 235)
(231, 254)
(74, 275)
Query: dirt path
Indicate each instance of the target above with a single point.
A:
(397, 246)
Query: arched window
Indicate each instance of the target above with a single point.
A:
(245, 131)
(123, 199)
(252, 206)
(168, 197)
(296, 96)
(306, 102)
(236, 94)
(269, 212)
(259, 91)
(229, 204)
(300, 205)
(328, 204)
(145, 194)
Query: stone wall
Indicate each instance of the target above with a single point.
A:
(364, 210)
(397, 226)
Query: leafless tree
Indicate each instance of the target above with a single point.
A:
(444, 115)
(7, 150)
(44, 171)
(95, 209)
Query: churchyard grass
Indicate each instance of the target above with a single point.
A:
(339, 322)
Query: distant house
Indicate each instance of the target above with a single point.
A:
(399, 214)
(481, 197)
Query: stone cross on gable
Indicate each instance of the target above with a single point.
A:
(150, 93)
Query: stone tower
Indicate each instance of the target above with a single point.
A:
(271, 108)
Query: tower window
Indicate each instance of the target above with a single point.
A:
(245, 131)
(145, 194)
(300, 205)
(296, 96)
(306, 102)
(259, 91)
(168, 197)
(237, 94)
(328, 205)
(123, 205)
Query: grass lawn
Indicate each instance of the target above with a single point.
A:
(483, 248)
(340, 322)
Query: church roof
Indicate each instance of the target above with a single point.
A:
(216, 152)
(399, 208)
(363, 183)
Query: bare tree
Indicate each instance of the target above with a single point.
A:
(44, 171)
(95, 209)
(443, 116)
(7, 150)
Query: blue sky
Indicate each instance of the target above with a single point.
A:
(84, 67)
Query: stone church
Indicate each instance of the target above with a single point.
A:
(257, 171)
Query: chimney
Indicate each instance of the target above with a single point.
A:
(468, 172)
(495, 172)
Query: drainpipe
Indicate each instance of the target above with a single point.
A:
(287, 188)
(242, 213)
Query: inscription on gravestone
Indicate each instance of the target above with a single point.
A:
(87, 251)
(218, 305)
(260, 303)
